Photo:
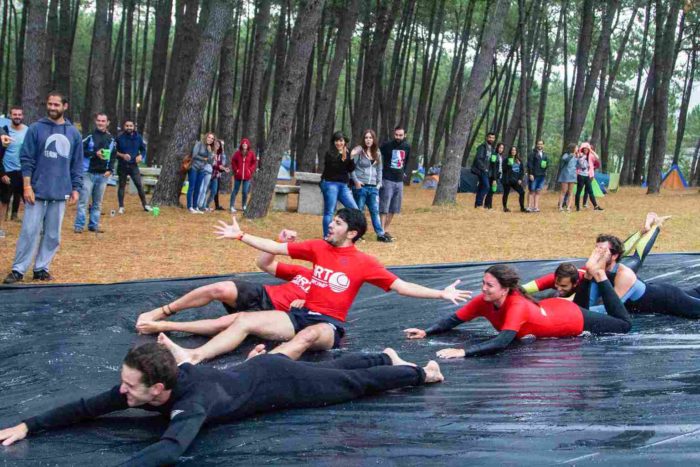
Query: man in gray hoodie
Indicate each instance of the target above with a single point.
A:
(52, 171)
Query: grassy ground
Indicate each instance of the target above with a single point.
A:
(178, 244)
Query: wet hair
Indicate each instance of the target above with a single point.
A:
(59, 94)
(567, 270)
(155, 362)
(356, 221)
(509, 279)
(616, 247)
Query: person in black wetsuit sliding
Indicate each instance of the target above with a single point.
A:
(192, 395)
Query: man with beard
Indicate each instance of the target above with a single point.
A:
(10, 167)
(52, 173)
(130, 150)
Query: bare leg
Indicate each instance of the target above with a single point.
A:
(257, 350)
(317, 337)
(203, 327)
(225, 292)
(3, 212)
(273, 325)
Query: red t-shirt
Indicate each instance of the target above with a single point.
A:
(554, 317)
(337, 275)
(548, 281)
(299, 279)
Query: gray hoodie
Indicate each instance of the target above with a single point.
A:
(366, 172)
(52, 155)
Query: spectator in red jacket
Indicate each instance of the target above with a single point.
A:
(243, 165)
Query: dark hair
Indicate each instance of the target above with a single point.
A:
(16, 107)
(517, 153)
(129, 119)
(374, 149)
(509, 279)
(490, 133)
(339, 135)
(355, 219)
(498, 145)
(97, 114)
(540, 141)
(399, 127)
(571, 148)
(59, 94)
(155, 362)
(567, 270)
(616, 247)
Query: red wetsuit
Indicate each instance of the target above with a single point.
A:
(554, 317)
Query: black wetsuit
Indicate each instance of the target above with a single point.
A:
(261, 384)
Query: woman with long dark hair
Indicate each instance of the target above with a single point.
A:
(335, 178)
(367, 179)
(515, 314)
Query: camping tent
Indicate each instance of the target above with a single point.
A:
(467, 181)
(673, 179)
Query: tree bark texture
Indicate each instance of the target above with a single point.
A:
(34, 72)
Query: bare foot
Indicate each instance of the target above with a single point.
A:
(257, 350)
(150, 327)
(649, 221)
(153, 315)
(395, 359)
(659, 221)
(433, 373)
(181, 355)
(593, 262)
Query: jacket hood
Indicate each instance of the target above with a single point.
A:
(246, 141)
(48, 121)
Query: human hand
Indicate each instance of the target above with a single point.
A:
(28, 194)
(149, 316)
(10, 435)
(6, 140)
(74, 196)
(107, 174)
(358, 185)
(451, 353)
(298, 303)
(5, 179)
(139, 158)
(287, 236)
(414, 333)
(224, 230)
(454, 295)
(532, 178)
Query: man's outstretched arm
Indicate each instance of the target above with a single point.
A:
(234, 232)
(266, 262)
(409, 289)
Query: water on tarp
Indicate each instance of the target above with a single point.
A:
(621, 400)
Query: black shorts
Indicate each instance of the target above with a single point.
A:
(303, 318)
(15, 186)
(251, 297)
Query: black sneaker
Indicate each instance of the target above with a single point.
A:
(219, 208)
(389, 236)
(13, 277)
(384, 239)
(506, 210)
(42, 276)
(524, 210)
(97, 230)
(598, 208)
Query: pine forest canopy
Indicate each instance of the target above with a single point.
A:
(286, 74)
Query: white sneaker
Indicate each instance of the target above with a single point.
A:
(121, 211)
(233, 210)
(198, 211)
(192, 211)
(148, 208)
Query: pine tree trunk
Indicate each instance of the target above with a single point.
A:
(226, 90)
(34, 72)
(99, 58)
(19, 54)
(685, 102)
(141, 99)
(159, 65)
(130, 5)
(64, 48)
(189, 114)
(446, 192)
(300, 49)
(261, 51)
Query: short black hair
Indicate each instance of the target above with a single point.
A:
(616, 247)
(97, 114)
(338, 135)
(16, 107)
(127, 120)
(355, 219)
(567, 270)
(59, 94)
(399, 127)
(490, 133)
(155, 362)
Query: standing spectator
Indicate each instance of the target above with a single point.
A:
(513, 172)
(567, 177)
(10, 166)
(219, 167)
(495, 173)
(584, 174)
(52, 170)
(202, 155)
(335, 178)
(206, 178)
(480, 168)
(97, 147)
(537, 171)
(131, 150)
(243, 165)
(367, 179)
(395, 157)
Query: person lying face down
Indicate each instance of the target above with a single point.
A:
(515, 314)
(192, 395)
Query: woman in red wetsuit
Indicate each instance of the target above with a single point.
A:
(515, 314)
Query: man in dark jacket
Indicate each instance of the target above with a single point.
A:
(537, 171)
(480, 168)
(98, 148)
(52, 172)
(395, 156)
(131, 150)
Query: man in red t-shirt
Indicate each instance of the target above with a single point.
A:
(338, 272)
(236, 296)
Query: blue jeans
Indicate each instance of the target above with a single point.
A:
(369, 195)
(332, 193)
(213, 190)
(203, 187)
(94, 185)
(194, 180)
(237, 186)
(482, 189)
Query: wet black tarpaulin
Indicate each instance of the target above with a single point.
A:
(619, 400)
